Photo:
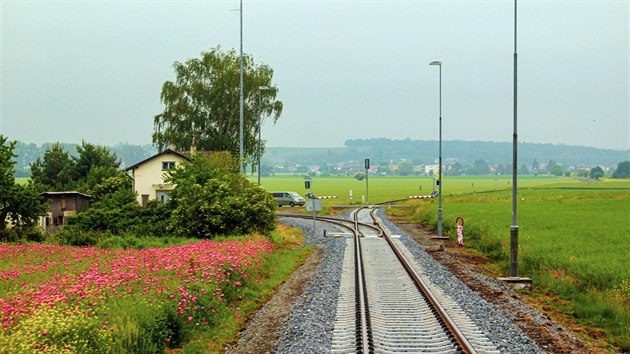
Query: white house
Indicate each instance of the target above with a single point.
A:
(148, 175)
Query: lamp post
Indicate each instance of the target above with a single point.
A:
(439, 64)
(260, 90)
(242, 168)
(514, 226)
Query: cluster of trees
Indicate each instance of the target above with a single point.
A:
(60, 171)
(93, 170)
(211, 198)
(493, 152)
(127, 154)
(19, 203)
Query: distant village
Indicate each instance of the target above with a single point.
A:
(450, 166)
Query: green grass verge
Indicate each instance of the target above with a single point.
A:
(573, 239)
(289, 256)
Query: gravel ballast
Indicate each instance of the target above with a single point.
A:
(309, 327)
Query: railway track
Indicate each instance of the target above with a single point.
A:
(387, 305)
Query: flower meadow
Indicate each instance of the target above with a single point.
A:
(69, 300)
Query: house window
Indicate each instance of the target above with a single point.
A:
(168, 165)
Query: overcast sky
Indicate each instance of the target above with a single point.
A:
(93, 70)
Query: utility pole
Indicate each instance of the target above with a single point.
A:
(241, 161)
(514, 227)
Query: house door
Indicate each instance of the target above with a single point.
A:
(161, 196)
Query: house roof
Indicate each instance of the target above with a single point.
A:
(167, 151)
(64, 194)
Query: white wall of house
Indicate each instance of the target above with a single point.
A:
(148, 177)
(431, 169)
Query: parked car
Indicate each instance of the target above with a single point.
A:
(288, 198)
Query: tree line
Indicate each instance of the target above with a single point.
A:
(211, 198)
(467, 152)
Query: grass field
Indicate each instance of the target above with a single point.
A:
(572, 242)
(382, 189)
(573, 238)
(21, 180)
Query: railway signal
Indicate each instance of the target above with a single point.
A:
(367, 169)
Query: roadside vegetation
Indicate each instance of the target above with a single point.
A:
(572, 243)
(196, 295)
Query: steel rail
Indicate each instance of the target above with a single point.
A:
(365, 343)
(333, 220)
(363, 336)
(463, 343)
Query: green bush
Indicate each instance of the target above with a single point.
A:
(30, 234)
(111, 219)
(21, 234)
(8, 235)
(74, 236)
(212, 198)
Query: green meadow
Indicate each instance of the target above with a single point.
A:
(574, 235)
(385, 188)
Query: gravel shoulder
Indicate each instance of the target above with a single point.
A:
(300, 318)
(263, 331)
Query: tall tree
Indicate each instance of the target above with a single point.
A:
(203, 104)
(623, 170)
(597, 172)
(479, 167)
(55, 170)
(91, 156)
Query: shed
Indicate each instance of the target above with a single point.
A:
(62, 205)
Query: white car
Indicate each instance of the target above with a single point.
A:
(288, 198)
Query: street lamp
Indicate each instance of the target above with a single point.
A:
(439, 64)
(514, 226)
(241, 108)
(260, 90)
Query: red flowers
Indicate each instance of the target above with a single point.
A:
(32, 276)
